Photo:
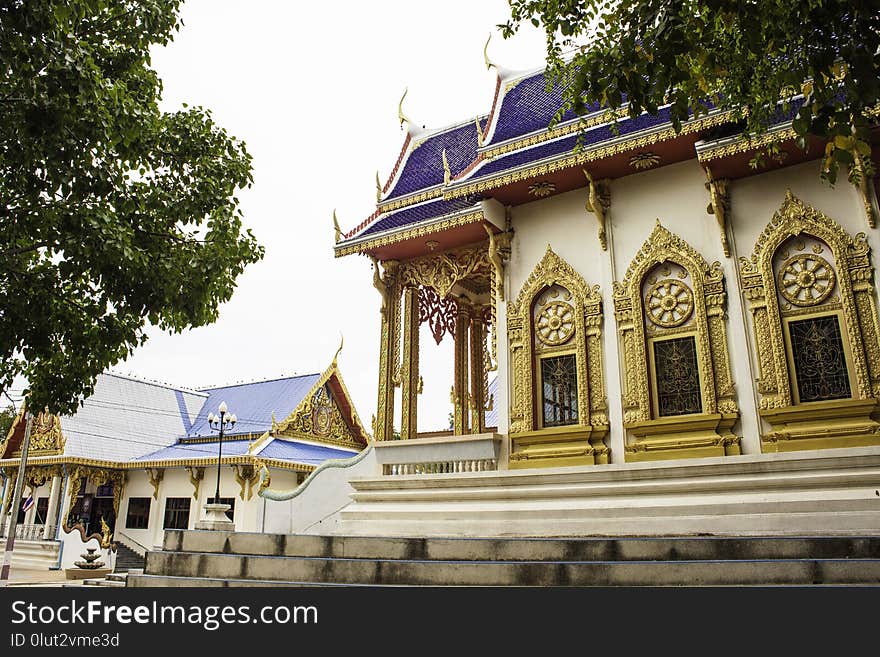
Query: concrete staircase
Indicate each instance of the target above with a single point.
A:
(203, 558)
(127, 559)
(116, 579)
(35, 554)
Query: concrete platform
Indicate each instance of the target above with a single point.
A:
(194, 558)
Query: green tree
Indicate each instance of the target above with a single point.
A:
(112, 212)
(7, 417)
(741, 56)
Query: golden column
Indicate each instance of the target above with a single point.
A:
(409, 385)
(386, 283)
(478, 372)
(460, 394)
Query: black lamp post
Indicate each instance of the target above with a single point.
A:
(220, 422)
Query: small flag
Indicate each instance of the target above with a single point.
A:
(27, 504)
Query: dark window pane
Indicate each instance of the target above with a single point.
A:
(138, 513)
(677, 377)
(104, 491)
(559, 384)
(42, 511)
(176, 513)
(231, 502)
(819, 361)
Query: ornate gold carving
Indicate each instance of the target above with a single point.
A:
(497, 262)
(644, 160)
(854, 281)
(442, 271)
(669, 303)
(705, 301)
(598, 203)
(586, 155)
(447, 174)
(196, 475)
(555, 323)
(411, 233)
(156, 475)
(806, 279)
(106, 534)
(319, 417)
(542, 188)
(867, 193)
(336, 229)
(744, 145)
(383, 427)
(246, 476)
(410, 384)
(719, 204)
(460, 394)
(439, 313)
(99, 477)
(46, 436)
(522, 339)
(605, 116)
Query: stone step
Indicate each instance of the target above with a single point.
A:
(739, 572)
(97, 581)
(525, 549)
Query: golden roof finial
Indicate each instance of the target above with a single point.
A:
(400, 115)
(336, 227)
(378, 187)
(488, 61)
(338, 351)
(447, 174)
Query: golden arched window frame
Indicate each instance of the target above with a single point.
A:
(699, 434)
(845, 422)
(584, 440)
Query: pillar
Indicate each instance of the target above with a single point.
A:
(409, 385)
(478, 372)
(383, 428)
(460, 394)
(54, 499)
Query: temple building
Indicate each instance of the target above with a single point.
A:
(141, 457)
(650, 306)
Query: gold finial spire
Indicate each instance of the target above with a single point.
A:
(338, 351)
(336, 227)
(447, 174)
(400, 115)
(378, 187)
(488, 61)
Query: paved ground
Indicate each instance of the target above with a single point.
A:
(21, 576)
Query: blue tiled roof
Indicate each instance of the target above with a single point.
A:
(291, 450)
(253, 404)
(492, 416)
(528, 107)
(424, 166)
(414, 214)
(566, 145)
(197, 450)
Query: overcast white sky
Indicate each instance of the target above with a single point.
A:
(312, 88)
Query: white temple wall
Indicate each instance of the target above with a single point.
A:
(677, 196)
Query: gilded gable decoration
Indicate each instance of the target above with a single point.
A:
(678, 393)
(811, 296)
(558, 413)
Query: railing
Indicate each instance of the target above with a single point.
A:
(440, 467)
(131, 544)
(29, 532)
(440, 455)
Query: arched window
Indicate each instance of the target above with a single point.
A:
(678, 394)
(810, 291)
(558, 408)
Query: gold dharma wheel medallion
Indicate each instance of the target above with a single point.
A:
(806, 279)
(555, 323)
(669, 303)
